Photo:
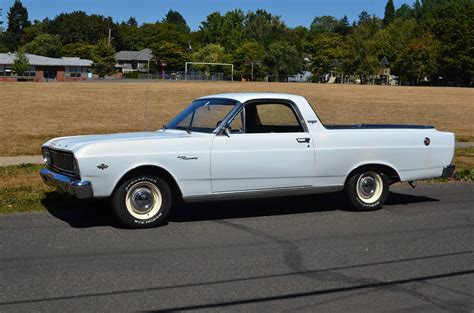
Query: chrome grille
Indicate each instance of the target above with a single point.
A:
(62, 162)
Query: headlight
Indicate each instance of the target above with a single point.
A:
(47, 157)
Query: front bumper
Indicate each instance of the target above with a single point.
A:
(448, 171)
(66, 184)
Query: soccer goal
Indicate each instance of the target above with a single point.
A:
(206, 63)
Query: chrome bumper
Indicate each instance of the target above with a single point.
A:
(66, 184)
(448, 171)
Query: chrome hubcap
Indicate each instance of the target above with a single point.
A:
(142, 200)
(369, 187)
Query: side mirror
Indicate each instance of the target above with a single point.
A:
(227, 131)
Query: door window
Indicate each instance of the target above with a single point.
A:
(268, 118)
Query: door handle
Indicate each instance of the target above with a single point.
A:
(303, 140)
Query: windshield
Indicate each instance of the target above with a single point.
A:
(203, 115)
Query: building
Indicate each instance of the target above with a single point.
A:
(45, 68)
(135, 61)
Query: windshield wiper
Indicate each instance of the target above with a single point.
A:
(187, 129)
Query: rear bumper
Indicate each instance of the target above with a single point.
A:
(448, 171)
(66, 184)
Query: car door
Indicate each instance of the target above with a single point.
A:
(266, 147)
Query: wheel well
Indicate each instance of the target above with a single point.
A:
(155, 171)
(392, 174)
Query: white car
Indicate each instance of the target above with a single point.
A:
(244, 145)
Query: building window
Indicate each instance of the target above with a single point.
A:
(6, 70)
(75, 71)
(31, 72)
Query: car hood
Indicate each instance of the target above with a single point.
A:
(74, 143)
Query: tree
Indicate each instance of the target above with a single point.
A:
(175, 18)
(264, 27)
(79, 49)
(132, 21)
(45, 45)
(17, 22)
(389, 13)
(21, 63)
(451, 22)
(226, 30)
(212, 53)
(150, 34)
(417, 9)
(343, 27)
(363, 18)
(392, 41)
(405, 11)
(103, 56)
(419, 58)
(326, 47)
(78, 26)
(323, 24)
(249, 58)
(361, 52)
(170, 53)
(284, 59)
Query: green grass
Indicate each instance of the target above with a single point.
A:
(22, 190)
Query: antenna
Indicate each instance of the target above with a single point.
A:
(146, 107)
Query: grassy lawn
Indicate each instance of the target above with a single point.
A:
(22, 190)
(31, 113)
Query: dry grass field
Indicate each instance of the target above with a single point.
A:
(31, 113)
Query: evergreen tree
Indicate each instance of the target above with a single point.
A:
(175, 18)
(132, 22)
(343, 27)
(20, 63)
(17, 22)
(389, 13)
(103, 56)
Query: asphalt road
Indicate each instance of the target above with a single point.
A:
(288, 254)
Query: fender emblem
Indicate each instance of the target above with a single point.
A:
(102, 166)
(185, 158)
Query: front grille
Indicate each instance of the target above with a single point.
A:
(62, 162)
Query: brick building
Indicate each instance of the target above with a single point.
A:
(45, 68)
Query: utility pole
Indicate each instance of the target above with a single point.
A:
(110, 35)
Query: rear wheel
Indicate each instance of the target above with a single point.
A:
(142, 201)
(367, 189)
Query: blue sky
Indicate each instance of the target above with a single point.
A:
(293, 12)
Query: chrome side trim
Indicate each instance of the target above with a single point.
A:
(265, 193)
(66, 184)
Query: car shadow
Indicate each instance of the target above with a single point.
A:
(79, 213)
(395, 198)
(83, 214)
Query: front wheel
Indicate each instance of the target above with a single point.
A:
(143, 201)
(367, 190)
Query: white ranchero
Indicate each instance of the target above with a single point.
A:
(244, 145)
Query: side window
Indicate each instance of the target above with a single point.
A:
(271, 118)
(237, 125)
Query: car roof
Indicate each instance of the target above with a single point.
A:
(246, 96)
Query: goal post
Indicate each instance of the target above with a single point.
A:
(206, 63)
